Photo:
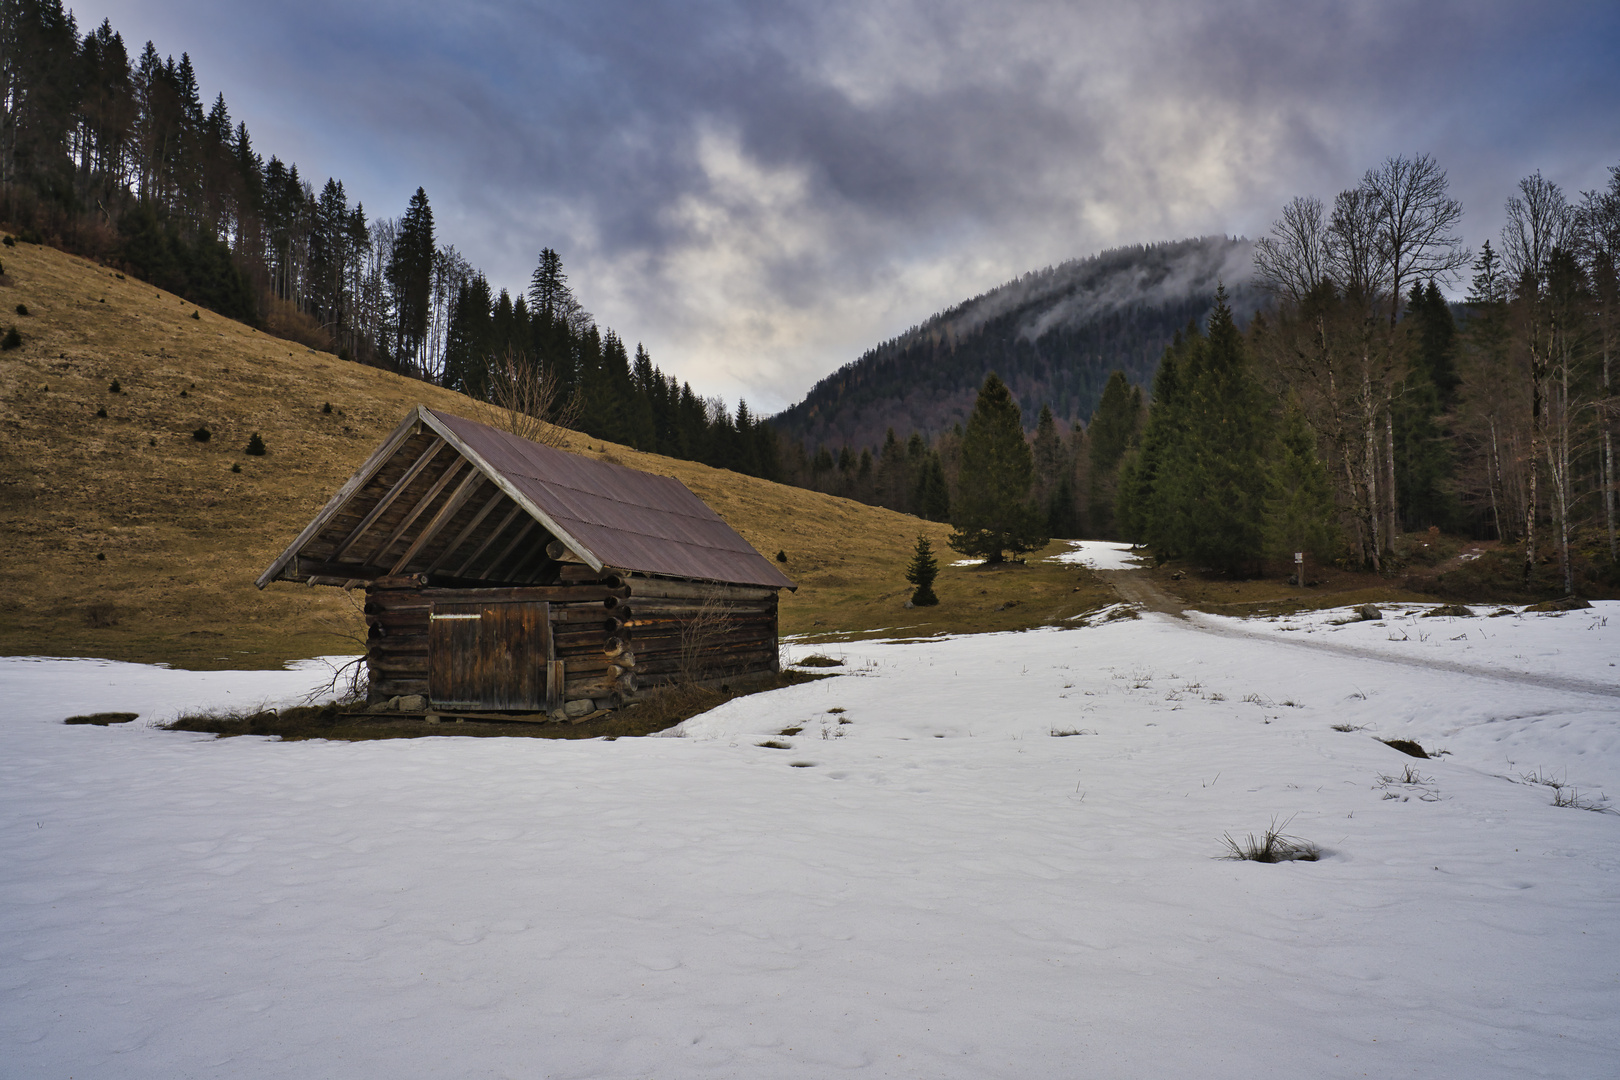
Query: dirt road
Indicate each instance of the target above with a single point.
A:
(1135, 587)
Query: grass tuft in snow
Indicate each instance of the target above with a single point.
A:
(1273, 846)
(818, 661)
(1568, 796)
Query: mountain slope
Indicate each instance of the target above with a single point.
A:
(1054, 336)
(127, 538)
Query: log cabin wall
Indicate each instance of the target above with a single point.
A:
(614, 635)
(700, 631)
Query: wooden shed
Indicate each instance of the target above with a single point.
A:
(502, 575)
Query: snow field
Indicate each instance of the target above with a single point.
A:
(942, 888)
(1100, 555)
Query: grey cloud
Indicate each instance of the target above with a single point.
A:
(760, 190)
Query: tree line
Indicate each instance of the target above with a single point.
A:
(1357, 406)
(1362, 405)
(118, 159)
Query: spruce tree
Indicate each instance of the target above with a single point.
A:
(1424, 463)
(1112, 428)
(921, 573)
(932, 498)
(1146, 512)
(410, 275)
(991, 512)
(1063, 513)
(1299, 495)
(1220, 482)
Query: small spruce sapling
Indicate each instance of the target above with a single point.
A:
(115, 387)
(22, 309)
(102, 412)
(923, 570)
(255, 446)
(781, 556)
(12, 339)
(236, 466)
(195, 314)
(202, 434)
(326, 409)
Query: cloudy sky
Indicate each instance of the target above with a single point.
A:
(760, 191)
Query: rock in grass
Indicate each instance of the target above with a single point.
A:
(1406, 746)
(1368, 613)
(1568, 603)
(413, 703)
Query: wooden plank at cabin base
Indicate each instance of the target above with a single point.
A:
(556, 681)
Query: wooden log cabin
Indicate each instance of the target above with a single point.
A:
(502, 575)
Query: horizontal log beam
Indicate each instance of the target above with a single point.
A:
(676, 590)
(642, 605)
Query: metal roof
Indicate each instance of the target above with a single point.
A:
(608, 515)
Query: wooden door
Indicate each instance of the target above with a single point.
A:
(487, 655)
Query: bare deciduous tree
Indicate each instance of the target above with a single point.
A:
(525, 400)
(1598, 239)
(1416, 225)
(1293, 260)
(1538, 221)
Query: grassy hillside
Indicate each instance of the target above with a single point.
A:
(127, 538)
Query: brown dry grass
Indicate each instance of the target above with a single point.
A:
(657, 711)
(180, 537)
(1330, 587)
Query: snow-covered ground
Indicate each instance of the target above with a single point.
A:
(1100, 555)
(1097, 554)
(1003, 865)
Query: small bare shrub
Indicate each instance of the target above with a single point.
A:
(100, 615)
(700, 633)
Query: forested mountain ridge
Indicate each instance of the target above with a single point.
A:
(1053, 335)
